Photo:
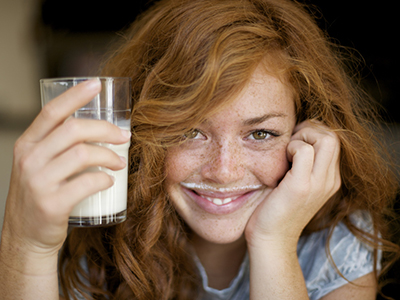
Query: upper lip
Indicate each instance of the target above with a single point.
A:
(227, 193)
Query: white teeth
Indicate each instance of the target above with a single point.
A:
(227, 200)
(218, 201)
(203, 186)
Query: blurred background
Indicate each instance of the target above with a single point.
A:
(50, 38)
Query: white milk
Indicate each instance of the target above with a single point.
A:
(111, 201)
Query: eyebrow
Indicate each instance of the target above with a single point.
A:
(259, 120)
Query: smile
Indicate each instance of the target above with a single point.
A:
(203, 186)
(218, 201)
(219, 195)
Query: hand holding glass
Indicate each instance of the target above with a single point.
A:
(112, 104)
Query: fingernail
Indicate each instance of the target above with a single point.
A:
(126, 133)
(93, 83)
(123, 159)
(112, 178)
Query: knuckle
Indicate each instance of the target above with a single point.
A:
(27, 160)
(19, 146)
(72, 126)
(24, 162)
(106, 180)
(97, 181)
(50, 111)
(307, 149)
(329, 140)
(81, 153)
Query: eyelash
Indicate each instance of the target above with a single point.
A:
(189, 133)
(268, 133)
(250, 136)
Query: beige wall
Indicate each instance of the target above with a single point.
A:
(20, 60)
(23, 44)
(20, 70)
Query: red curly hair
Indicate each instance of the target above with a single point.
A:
(187, 58)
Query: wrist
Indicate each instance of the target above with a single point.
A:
(272, 243)
(275, 272)
(24, 276)
(19, 257)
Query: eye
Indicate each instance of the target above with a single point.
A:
(193, 134)
(259, 135)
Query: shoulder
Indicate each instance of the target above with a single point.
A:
(348, 257)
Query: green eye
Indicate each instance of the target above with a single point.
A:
(259, 135)
(192, 134)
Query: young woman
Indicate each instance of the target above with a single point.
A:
(254, 169)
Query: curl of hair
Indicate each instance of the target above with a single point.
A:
(187, 60)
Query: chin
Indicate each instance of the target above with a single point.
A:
(222, 236)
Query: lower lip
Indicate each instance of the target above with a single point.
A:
(223, 209)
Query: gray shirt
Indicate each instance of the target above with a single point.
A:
(352, 258)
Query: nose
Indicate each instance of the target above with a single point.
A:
(225, 163)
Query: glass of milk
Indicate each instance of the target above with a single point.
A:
(112, 104)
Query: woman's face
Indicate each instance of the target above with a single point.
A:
(231, 162)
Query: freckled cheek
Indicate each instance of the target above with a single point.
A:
(180, 164)
(272, 167)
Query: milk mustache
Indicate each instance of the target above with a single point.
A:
(111, 202)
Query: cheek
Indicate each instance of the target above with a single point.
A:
(173, 163)
(180, 164)
(271, 167)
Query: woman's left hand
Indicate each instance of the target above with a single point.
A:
(313, 179)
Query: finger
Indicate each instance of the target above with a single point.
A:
(79, 158)
(326, 145)
(60, 108)
(76, 131)
(304, 124)
(81, 187)
(311, 132)
(326, 169)
(301, 155)
(311, 123)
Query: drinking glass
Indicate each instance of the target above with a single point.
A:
(112, 104)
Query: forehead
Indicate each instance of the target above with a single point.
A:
(264, 86)
(264, 94)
